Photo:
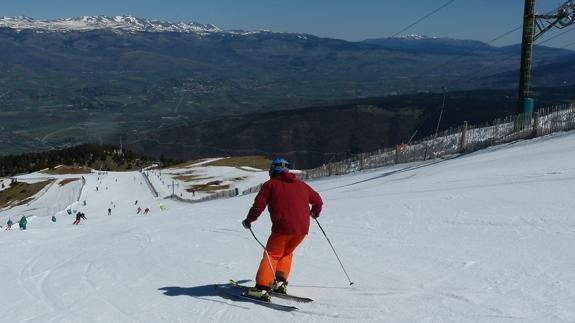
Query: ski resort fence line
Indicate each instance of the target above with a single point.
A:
(81, 189)
(463, 139)
(150, 186)
(217, 195)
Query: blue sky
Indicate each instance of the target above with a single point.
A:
(344, 19)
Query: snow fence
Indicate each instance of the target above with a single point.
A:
(463, 139)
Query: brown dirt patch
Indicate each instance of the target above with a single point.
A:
(25, 201)
(259, 162)
(67, 181)
(188, 178)
(208, 187)
(21, 193)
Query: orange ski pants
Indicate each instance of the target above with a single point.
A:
(280, 248)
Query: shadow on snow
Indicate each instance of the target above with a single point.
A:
(202, 292)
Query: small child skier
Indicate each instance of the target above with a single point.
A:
(9, 224)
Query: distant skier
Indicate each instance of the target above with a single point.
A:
(109, 211)
(146, 210)
(9, 224)
(23, 222)
(79, 216)
(162, 206)
(136, 202)
(53, 218)
(288, 200)
(139, 210)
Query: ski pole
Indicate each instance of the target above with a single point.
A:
(265, 251)
(332, 248)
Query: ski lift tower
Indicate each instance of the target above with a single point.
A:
(561, 17)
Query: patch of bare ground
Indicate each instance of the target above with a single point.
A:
(67, 181)
(208, 187)
(21, 193)
(188, 177)
(259, 162)
(65, 170)
(185, 178)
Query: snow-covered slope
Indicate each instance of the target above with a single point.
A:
(485, 237)
(117, 23)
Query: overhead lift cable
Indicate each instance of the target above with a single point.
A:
(424, 17)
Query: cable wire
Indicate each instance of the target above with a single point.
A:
(450, 61)
(457, 58)
(558, 35)
(424, 17)
(513, 56)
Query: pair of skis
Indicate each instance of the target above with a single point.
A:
(237, 291)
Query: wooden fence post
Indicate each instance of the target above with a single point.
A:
(463, 144)
(397, 153)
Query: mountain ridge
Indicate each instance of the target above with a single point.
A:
(130, 23)
(120, 23)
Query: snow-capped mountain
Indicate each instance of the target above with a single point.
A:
(117, 23)
(413, 37)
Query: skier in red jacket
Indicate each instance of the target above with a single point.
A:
(288, 200)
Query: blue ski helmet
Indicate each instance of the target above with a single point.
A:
(278, 166)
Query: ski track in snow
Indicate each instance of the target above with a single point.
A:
(484, 237)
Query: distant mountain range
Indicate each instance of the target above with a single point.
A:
(92, 79)
(118, 23)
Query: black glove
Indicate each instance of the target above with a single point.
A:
(313, 215)
(246, 224)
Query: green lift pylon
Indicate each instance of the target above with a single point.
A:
(562, 17)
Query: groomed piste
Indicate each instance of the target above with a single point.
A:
(482, 237)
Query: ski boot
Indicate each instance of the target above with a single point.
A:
(280, 286)
(260, 293)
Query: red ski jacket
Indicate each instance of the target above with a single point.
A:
(288, 200)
